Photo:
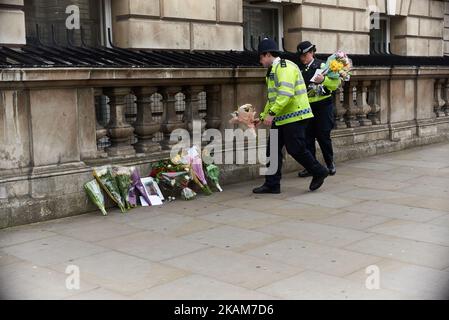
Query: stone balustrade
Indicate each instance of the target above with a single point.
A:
(181, 106)
(57, 124)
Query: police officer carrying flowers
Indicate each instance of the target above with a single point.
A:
(288, 111)
(320, 127)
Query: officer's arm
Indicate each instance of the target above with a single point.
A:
(265, 111)
(286, 89)
(331, 84)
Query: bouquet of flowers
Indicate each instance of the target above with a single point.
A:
(174, 178)
(338, 65)
(137, 188)
(93, 190)
(165, 166)
(192, 162)
(196, 164)
(123, 178)
(213, 173)
(245, 114)
(316, 90)
(107, 181)
(178, 182)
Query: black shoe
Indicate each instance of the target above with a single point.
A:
(317, 182)
(304, 174)
(332, 170)
(266, 189)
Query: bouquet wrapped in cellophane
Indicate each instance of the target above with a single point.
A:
(212, 171)
(137, 189)
(124, 182)
(107, 181)
(337, 66)
(245, 115)
(93, 190)
(192, 162)
(173, 178)
(178, 184)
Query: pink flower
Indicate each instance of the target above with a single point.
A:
(340, 54)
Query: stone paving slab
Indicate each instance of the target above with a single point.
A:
(410, 251)
(413, 281)
(198, 287)
(314, 285)
(388, 213)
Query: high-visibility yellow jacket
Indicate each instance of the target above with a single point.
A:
(287, 94)
(331, 85)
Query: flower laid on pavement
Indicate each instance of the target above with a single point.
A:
(138, 189)
(93, 190)
(214, 173)
(123, 178)
(107, 181)
(181, 177)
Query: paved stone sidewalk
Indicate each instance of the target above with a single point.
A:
(389, 211)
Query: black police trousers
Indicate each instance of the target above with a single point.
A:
(319, 128)
(293, 137)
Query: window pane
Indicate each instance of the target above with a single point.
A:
(46, 13)
(260, 22)
(378, 37)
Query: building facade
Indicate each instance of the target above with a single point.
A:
(403, 27)
(107, 91)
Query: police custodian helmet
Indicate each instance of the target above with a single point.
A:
(305, 46)
(267, 45)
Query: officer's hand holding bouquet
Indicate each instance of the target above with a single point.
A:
(337, 66)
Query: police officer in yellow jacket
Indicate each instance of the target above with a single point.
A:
(288, 111)
(320, 127)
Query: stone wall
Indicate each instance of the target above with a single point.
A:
(12, 22)
(417, 28)
(49, 129)
(331, 25)
(446, 27)
(178, 24)
(416, 25)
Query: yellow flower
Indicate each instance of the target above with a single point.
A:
(336, 66)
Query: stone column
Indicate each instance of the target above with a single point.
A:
(351, 113)
(213, 118)
(192, 107)
(170, 118)
(120, 132)
(446, 97)
(363, 107)
(101, 132)
(439, 102)
(145, 127)
(373, 101)
(340, 110)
